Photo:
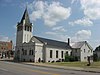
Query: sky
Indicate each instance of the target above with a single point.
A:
(53, 19)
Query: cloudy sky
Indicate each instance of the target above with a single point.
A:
(53, 19)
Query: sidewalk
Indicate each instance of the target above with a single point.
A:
(94, 70)
(6, 59)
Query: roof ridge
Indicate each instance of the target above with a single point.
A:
(55, 43)
(50, 39)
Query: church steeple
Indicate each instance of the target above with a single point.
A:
(25, 23)
(24, 29)
(25, 18)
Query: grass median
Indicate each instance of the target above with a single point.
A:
(76, 64)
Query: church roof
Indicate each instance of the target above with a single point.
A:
(25, 17)
(54, 43)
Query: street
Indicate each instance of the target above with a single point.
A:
(11, 68)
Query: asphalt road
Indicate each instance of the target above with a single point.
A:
(10, 68)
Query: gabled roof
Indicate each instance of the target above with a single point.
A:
(80, 44)
(54, 43)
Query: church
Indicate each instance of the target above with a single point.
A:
(37, 49)
(34, 48)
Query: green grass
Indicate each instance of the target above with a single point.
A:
(77, 64)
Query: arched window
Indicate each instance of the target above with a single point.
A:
(29, 52)
(23, 51)
(28, 28)
(32, 52)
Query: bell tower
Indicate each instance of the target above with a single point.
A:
(24, 29)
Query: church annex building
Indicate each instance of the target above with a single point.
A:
(35, 49)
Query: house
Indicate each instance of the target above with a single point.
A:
(36, 49)
(5, 48)
(82, 50)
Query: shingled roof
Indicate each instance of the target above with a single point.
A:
(26, 18)
(80, 44)
(54, 43)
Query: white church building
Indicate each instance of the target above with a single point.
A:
(36, 49)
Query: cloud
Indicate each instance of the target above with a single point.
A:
(83, 34)
(59, 29)
(91, 8)
(73, 1)
(82, 22)
(51, 13)
(35, 15)
(4, 38)
(51, 33)
(39, 10)
(58, 36)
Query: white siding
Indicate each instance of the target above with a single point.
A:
(38, 51)
(85, 54)
(28, 47)
(54, 54)
(26, 36)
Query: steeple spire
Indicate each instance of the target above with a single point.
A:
(24, 29)
(25, 17)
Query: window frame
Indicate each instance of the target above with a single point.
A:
(57, 53)
(51, 53)
(62, 54)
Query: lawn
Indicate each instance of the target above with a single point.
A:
(77, 64)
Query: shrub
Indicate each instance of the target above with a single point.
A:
(95, 57)
(76, 58)
(67, 58)
(70, 58)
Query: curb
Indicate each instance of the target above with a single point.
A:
(63, 68)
